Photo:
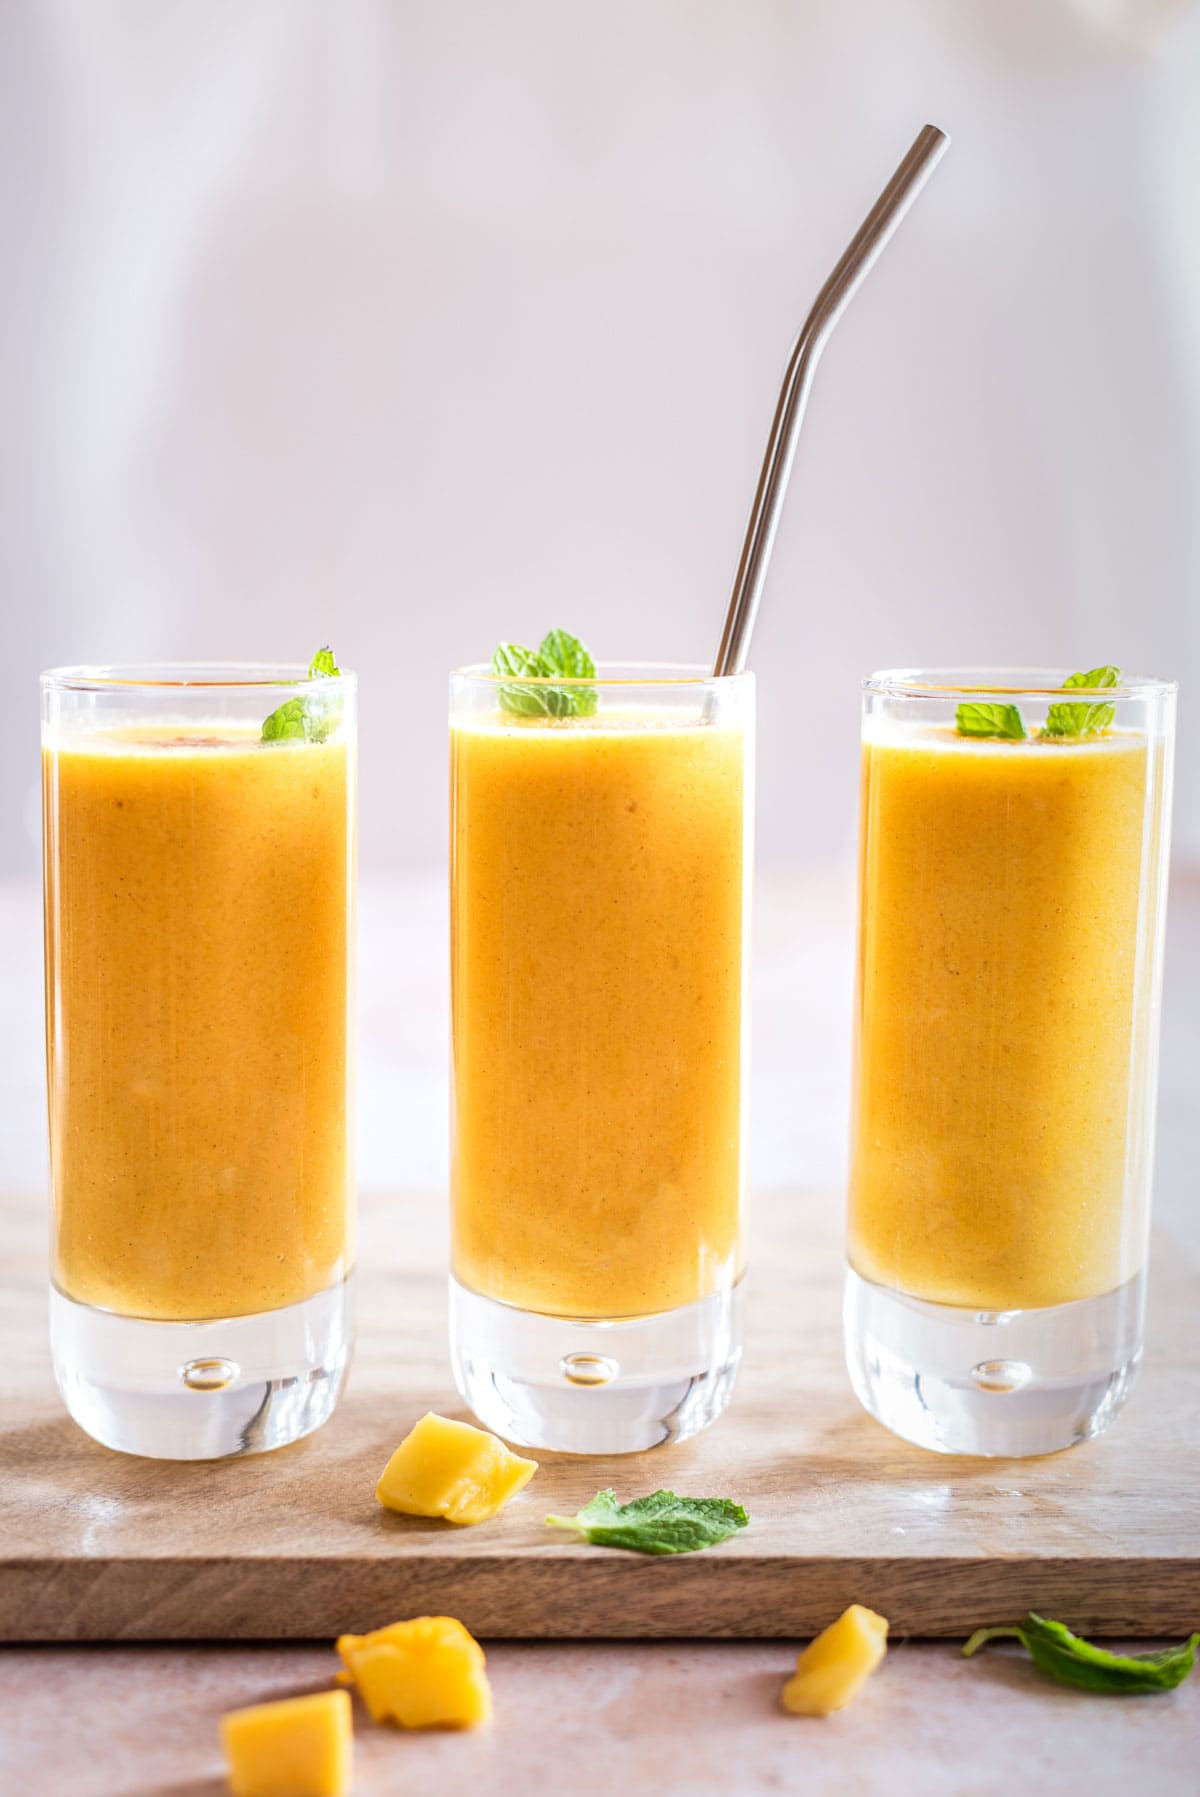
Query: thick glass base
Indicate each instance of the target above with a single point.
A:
(1005, 1383)
(202, 1391)
(587, 1387)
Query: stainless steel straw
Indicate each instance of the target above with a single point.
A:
(895, 200)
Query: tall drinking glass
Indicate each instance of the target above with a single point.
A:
(1010, 964)
(601, 868)
(199, 902)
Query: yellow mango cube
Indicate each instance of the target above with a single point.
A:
(444, 1468)
(833, 1667)
(427, 1673)
(299, 1747)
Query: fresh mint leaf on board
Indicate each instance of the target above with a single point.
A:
(312, 718)
(659, 1524)
(1080, 719)
(1073, 1661)
(559, 654)
(990, 720)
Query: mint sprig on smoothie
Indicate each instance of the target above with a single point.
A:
(1068, 718)
(312, 718)
(1079, 719)
(558, 655)
(990, 720)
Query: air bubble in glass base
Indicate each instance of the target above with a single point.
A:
(206, 1390)
(595, 1387)
(1005, 1383)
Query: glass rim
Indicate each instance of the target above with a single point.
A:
(609, 673)
(1009, 683)
(190, 676)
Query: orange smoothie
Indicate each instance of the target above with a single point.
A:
(599, 923)
(1004, 1017)
(199, 893)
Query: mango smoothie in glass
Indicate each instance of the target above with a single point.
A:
(199, 898)
(1014, 845)
(601, 866)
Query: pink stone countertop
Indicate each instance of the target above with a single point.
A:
(606, 1720)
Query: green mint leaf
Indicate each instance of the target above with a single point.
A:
(522, 701)
(1083, 720)
(311, 718)
(659, 1524)
(561, 654)
(977, 1640)
(989, 720)
(565, 654)
(286, 723)
(1064, 1656)
(1061, 1655)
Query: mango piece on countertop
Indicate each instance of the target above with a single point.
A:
(298, 1747)
(444, 1468)
(837, 1663)
(427, 1673)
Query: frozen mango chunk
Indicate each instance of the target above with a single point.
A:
(427, 1673)
(444, 1468)
(299, 1747)
(837, 1663)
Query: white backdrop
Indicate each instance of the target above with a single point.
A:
(413, 326)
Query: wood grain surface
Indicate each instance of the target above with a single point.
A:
(97, 1546)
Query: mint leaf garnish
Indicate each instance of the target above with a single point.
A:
(564, 654)
(1073, 1661)
(558, 654)
(659, 1524)
(522, 701)
(567, 655)
(989, 720)
(312, 718)
(1079, 719)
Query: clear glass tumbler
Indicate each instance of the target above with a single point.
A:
(1013, 891)
(199, 905)
(601, 866)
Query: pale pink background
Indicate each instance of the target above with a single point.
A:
(419, 325)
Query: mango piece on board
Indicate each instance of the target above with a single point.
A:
(427, 1673)
(299, 1747)
(833, 1667)
(444, 1468)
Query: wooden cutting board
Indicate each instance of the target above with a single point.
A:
(97, 1546)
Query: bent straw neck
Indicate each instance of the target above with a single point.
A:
(851, 270)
